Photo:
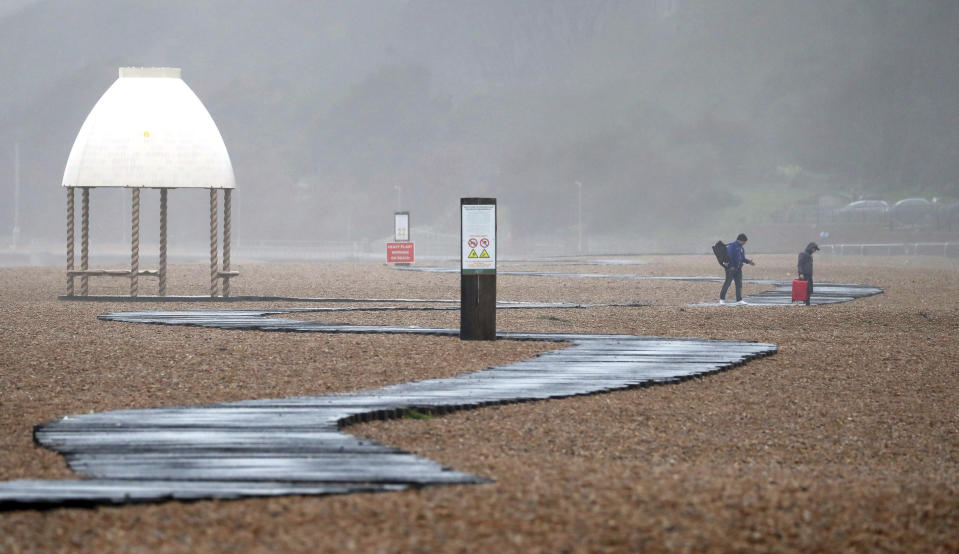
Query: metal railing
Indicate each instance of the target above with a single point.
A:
(945, 249)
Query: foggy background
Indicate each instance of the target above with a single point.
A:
(600, 126)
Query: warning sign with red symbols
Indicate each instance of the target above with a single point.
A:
(479, 238)
(399, 252)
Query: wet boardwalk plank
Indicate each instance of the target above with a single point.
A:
(296, 445)
(291, 446)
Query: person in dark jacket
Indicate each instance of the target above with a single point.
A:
(805, 267)
(734, 271)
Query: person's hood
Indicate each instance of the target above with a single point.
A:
(812, 247)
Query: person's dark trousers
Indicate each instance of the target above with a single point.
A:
(808, 290)
(733, 275)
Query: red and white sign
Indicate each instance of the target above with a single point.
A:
(478, 232)
(399, 252)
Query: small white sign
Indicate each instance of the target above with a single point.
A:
(401, 226)
(479, 238)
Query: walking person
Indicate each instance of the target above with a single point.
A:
(734, 271)
(805, 267)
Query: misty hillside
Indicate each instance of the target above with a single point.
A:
(336, 112)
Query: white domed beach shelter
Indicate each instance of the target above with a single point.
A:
(148, 130)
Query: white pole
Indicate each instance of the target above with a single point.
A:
(399, 197)
(579, 218)
(16, 195)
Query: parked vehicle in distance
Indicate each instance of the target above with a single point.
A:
(864, 210)
(912, 211)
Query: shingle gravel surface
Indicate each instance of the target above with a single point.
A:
(846, 440)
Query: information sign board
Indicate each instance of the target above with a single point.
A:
(478, 232)
(399, 252)
(401, 226)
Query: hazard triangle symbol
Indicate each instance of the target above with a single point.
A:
(473, 254)
(484, 254)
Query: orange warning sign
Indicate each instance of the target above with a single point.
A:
(399, 252)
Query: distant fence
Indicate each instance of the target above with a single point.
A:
(934, 218)
(428, 246)
(946, 249)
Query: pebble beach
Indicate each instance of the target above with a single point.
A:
(847, 439)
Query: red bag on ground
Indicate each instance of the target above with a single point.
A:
(799, 290)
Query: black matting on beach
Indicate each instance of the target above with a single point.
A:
(824, 293)
(295, 446)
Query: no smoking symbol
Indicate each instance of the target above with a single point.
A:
(472, 243)
(484, 242)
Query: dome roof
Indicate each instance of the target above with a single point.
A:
(149, 130)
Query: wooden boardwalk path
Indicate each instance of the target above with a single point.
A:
(296, 446)
(824, 293)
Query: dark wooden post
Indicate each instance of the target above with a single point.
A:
(478, 269)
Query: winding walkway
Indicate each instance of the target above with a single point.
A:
(296, 446)
(781, 295)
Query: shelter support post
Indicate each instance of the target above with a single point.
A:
(162, 271)
(226, 241)
(135, 241)
(84, 239)
(70, 229)
(213, 243)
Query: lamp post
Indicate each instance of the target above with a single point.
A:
(399, 197)
(579, 218)
(16, 195)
